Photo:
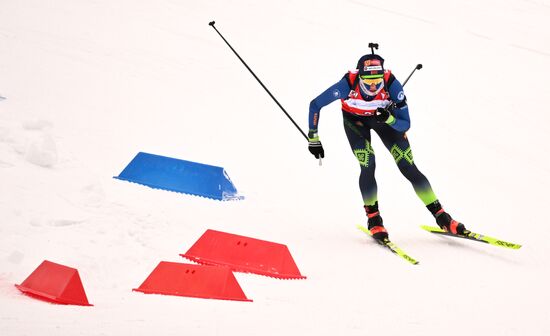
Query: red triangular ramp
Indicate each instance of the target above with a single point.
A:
(55, 283)
(208, 282)
(244, 254)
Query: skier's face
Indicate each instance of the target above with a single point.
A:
(371, 86)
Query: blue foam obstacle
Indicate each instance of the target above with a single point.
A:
(161, 172)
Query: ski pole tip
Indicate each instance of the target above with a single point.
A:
(211, 23)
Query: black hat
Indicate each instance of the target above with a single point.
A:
(371, 65)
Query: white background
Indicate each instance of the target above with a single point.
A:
(91, 83)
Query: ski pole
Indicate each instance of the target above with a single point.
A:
(392, 104)
(259, 81)
(417, 67)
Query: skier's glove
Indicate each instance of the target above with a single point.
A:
(314, 144)
(384, 114)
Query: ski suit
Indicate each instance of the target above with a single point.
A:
(358, 123)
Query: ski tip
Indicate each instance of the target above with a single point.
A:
(506, 244)
(474, 236)
(390, 245)
(410, 260)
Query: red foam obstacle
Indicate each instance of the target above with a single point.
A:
(208, 282)
(55, 283)
(244, 254)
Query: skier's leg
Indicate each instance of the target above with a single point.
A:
(398, 145)
(358, 135)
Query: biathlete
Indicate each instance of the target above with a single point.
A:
(373, 99)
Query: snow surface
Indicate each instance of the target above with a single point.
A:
(88, 84)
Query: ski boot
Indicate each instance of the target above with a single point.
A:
(445, 221)
(376, 224)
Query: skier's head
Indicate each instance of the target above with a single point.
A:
(371, 74)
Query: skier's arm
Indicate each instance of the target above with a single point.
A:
(335, 92)
(402, 121)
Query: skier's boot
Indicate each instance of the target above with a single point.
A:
(445, 221)
(376, 224)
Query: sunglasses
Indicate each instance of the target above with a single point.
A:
(370, 81)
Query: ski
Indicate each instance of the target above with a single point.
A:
(391, 246)
(472, 236)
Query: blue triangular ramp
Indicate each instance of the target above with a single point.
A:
(181, 176)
